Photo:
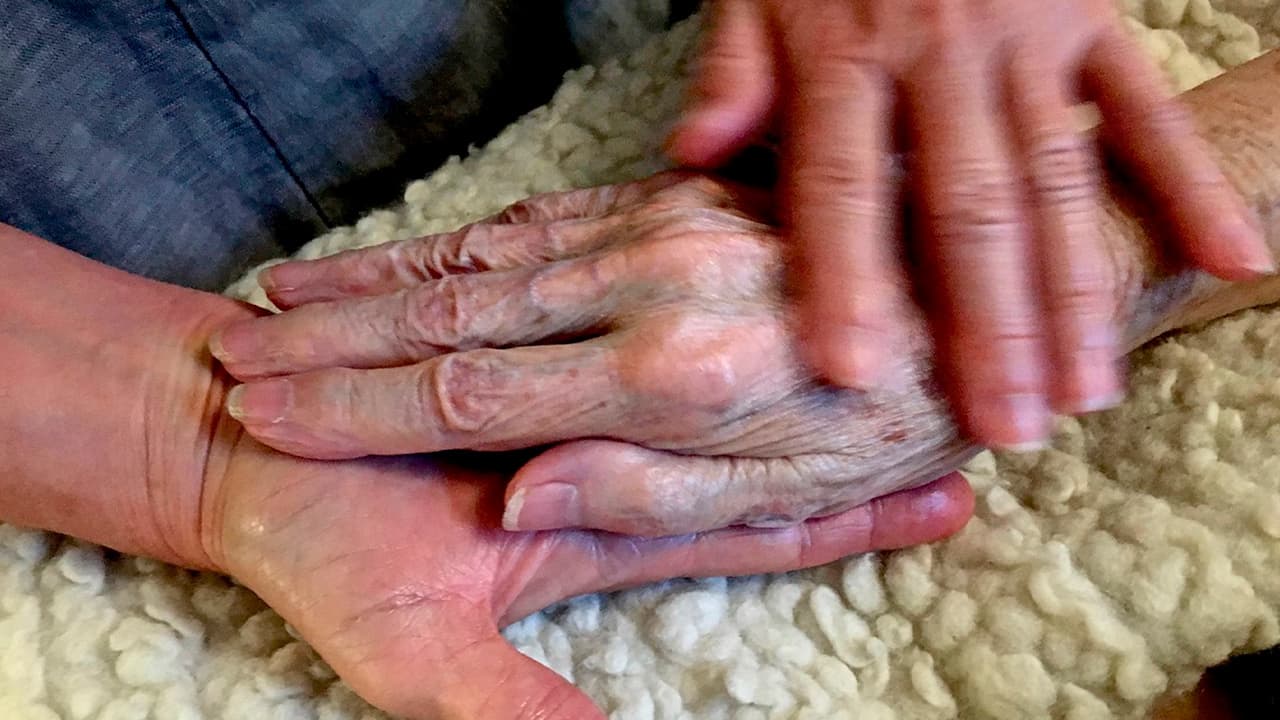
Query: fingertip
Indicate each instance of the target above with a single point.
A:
(217, 349)
(849, 356)
(709, 135)
(943, 507)
(232, 343)
(278, 278)
(543, 493)
(1092, 384)
(1235, 250)
(261, 403)
(281, 283)
(1016, 422)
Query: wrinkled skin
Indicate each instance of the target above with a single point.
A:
(650, 314)
(396, 571)
(1007, 186)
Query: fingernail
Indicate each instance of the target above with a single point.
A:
(234, 341)
(279, 278)
(263, 403)
(216, 347)
(1027, 416)
(1098, 403)
(543, 507)
(933, 502)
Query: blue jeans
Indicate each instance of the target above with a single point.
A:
(185, 140)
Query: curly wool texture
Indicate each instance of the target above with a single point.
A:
(1097, 575)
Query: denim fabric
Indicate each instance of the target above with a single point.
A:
(187, 139)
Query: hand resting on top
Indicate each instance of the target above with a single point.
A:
(654, 314)
(651, 314)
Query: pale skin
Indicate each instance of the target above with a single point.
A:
(647, 330)
(1006, 187)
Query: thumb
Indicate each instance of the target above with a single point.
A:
(734, 87)
(632, 490)
(492, 680)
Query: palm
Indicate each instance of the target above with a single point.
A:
(398, 572)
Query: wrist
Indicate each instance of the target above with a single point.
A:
(112, 405)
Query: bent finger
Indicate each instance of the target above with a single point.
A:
(1155, 136)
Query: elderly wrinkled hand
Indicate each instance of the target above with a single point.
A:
(980, 95)
(643, 326)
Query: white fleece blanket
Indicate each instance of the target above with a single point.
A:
(1097, 575)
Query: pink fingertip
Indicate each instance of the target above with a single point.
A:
(851, 357)
(706, 136)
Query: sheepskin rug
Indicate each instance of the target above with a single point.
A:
(1096, 576)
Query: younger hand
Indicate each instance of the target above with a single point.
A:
(397, 571)
(1007, 184)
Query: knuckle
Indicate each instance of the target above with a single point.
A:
(814, 30)
(697, 191)
(1087, 293)
(671, 254)
(436, 256)
(463, 251)
(1168, 116)
(437, 316)
(703, 379)
(841, 180)
(1062, 170)
(978, 205)
(727, 54)
(520, 212)
(458, 392)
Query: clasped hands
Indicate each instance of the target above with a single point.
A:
(644, 329)
(640, 338)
